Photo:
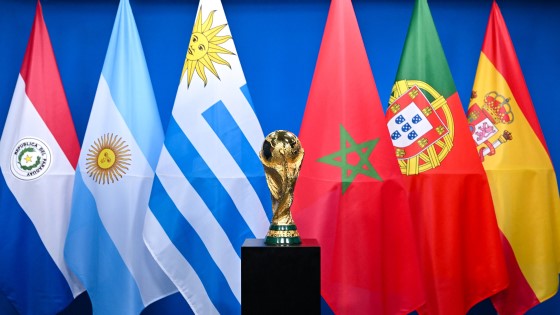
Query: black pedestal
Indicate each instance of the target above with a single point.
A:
(280, 279)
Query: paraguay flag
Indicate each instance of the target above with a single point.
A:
(210, 193)
(38, 155)
(115, 171)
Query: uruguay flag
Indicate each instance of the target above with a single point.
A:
(38, 154)
(210, 193)
(115, 171)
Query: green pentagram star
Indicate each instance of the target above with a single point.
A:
(339, 158)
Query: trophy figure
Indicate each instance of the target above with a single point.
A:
(281, 156)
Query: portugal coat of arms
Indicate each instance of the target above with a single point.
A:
(421, 126)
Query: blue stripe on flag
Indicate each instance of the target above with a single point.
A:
(28, 275)
(225, 127)
(187, 241)
(245, 90)
(208, 187)
(112, 277)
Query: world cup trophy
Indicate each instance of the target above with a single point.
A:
(281, 156)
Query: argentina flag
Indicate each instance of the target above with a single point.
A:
(121, 146)
(209, 193)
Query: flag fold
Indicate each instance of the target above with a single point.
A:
(113, 181)
(350, 194)
(210, 193)
(511, 145)
(39, 150)
(461, 253)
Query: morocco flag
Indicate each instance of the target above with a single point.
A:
(511, 144)
(350, 194)
(461, 255)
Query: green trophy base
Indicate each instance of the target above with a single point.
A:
(282, 235)
(280, 279)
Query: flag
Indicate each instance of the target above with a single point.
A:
(511, 145)
(38, 154)
(350, 195)
(461, 254)
(123, 139)
(210, 193)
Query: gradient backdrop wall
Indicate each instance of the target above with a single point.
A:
(278, 42)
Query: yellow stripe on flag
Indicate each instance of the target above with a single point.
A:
(522, 180)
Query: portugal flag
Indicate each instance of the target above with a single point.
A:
(350, 194)
(461, 255)
(512, 147)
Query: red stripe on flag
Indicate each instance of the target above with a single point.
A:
(519, 289)
(462, 259)
(44, 88)
(499, 49)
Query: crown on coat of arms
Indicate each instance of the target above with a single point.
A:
(497, 106)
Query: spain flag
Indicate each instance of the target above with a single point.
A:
(524, 189)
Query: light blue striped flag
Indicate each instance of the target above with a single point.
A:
(210, 193)
(123, 140)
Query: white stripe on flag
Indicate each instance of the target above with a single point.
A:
(120, 203)
(224, 167)
(195, 211)
(245, 117)
(51, 223)
(178, 267)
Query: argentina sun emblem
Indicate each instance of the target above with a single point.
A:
(30, 159)
(108, 159)
(421, 126)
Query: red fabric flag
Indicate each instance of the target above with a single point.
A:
(512, 148)
(42, 82)
(461, 257)
(350, 193)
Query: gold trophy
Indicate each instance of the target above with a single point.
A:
(281, 156)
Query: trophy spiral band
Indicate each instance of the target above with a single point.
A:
(281, 156)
